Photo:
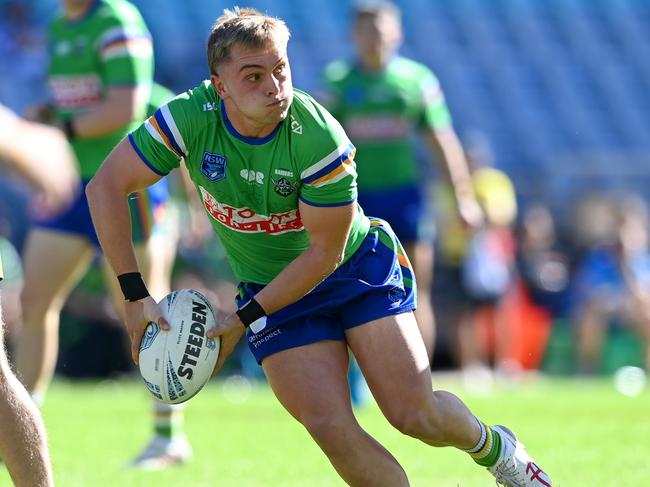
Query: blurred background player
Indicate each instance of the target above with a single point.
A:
(383, 100)
(100, 76)
(29, 148)
(475, 265)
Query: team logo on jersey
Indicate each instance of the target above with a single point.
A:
(296, 128)
(213, 166)
(283, 186)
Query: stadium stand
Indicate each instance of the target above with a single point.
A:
(559, 86)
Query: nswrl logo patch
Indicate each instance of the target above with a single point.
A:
(213, 166)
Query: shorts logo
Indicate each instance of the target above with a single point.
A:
(283, 186)
(396, 295)
(257, 340)
(213, 166)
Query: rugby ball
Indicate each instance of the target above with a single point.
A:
(176, 364)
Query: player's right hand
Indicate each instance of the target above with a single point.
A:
(137, 315)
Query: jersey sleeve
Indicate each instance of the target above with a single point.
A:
(160, 140)
(328, 171)
(435, 114)
(125, 50)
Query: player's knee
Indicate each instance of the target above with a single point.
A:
(326, 428)
(418, 421)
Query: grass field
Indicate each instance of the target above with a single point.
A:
(582, 432)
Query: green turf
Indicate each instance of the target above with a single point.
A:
(582, 432)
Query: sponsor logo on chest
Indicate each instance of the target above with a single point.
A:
(247, 221)
(75, 91)
(252, 176)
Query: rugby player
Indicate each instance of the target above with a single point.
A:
(277, 178)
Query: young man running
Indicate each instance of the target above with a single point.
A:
(276, 174)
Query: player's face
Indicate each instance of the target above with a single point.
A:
(256, 88)
(377, 38)
(76, 4)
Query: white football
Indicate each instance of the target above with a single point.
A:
(176, 364)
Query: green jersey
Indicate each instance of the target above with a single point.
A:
(251, 187)
(159, 96)
(109, 47)
(380, 112)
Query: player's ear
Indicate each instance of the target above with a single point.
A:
(217, 84)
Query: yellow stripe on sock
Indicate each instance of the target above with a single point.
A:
(486, 448)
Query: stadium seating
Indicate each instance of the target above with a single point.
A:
(551, 82)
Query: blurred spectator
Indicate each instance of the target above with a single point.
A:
(383, 100)
(543, 262)
(613, 285)
(474, 266)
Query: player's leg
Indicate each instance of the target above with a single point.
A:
(23, 445)
(54, 262)
(382, 333)
(393, 359)
(422, 258)
(592, 325)
(310, 382)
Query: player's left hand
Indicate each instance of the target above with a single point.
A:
(230, 330)
(138, 314)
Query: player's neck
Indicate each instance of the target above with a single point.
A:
(374, 64)
(75, 9)
(245, 126)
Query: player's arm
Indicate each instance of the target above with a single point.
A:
(448, 152)
(328, 229)
(41, 155)
(121, 174)
(120, 106)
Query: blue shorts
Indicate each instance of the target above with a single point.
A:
(376, 281)
(76, 218)
(403, 208)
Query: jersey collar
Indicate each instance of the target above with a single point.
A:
(248, 140)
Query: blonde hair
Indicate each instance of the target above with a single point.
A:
(246, 27)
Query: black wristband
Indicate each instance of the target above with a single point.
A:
(133, 286)
(68, 128)
(250, 312)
